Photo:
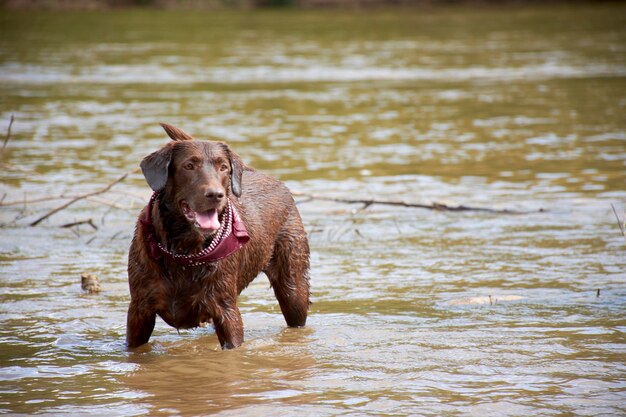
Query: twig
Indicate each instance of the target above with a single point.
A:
(434, 206)
(83, 196)
(78, 223)
(137, 196)
(26, 201)
(345, 232)
(59, 197)
(6, 139)
(622, 227)
(36, 200)
(110, 204)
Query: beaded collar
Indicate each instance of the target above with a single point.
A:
(230, 237)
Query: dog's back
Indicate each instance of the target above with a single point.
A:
(278, 243)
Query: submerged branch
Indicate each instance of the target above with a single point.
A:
(8, 136)
(78, 223)
(84, 196)
(45, 199)
(620, 223)
(26, 201)
(433, 206)
(111, 204)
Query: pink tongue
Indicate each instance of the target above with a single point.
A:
(208, 220)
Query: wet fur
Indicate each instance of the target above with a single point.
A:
(185, 297)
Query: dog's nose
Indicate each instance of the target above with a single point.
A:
(214, 194)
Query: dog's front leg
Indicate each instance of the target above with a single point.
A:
(228, 324)
(139, 325)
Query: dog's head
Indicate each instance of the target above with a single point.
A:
(196, 177)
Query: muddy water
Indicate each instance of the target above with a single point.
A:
(415, 312)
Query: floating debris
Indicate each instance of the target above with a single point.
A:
(491, 300)
(90, 283)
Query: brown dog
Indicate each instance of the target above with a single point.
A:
(212, 225)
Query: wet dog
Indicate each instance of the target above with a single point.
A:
(212, 225)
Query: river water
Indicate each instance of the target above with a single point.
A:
(416, 312)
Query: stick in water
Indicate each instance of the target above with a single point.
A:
(84, 196)
(433, 206)
(6, 139)
(619, 221)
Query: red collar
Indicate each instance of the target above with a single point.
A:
(228, 239)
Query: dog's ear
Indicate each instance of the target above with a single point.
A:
(236, 169)
(155, 167)
(175, 133)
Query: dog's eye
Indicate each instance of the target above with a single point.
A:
(224, 167)
(189, 166)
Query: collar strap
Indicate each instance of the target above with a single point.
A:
(230, 237)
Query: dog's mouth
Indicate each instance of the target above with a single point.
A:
(207, 221)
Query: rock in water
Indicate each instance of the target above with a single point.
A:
(90, 283)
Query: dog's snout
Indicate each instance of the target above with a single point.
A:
(214, 194)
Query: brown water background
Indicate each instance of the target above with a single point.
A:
(415, 312)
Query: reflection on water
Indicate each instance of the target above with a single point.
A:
(198, 377)
(415, 312)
